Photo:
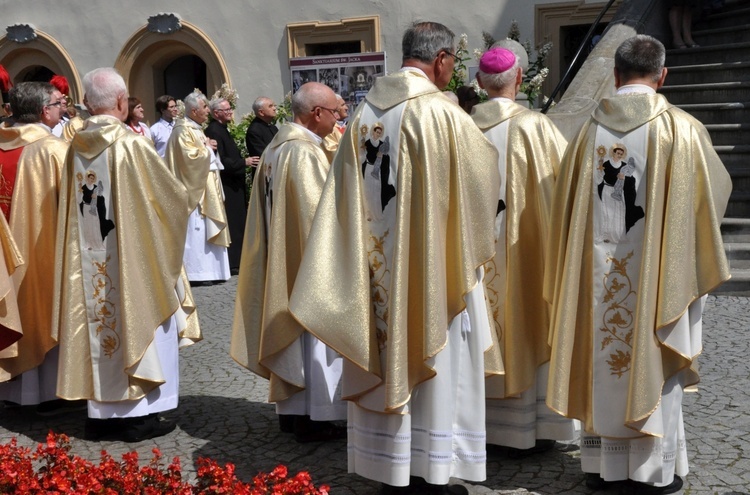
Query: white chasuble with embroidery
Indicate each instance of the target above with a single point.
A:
(101, 281)
(379, 133)
(496, 273)
(618, 203)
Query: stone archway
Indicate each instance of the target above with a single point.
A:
(147, 54)
(43, 51)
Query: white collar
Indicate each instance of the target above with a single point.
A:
(317, 138)
(630, 89)
(413, 69)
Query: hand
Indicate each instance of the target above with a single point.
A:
(252, 161)
(212, 144)
(620, 176)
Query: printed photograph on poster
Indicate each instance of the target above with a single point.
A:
(300, 77)
(360, 79)
(329, 77)
(350, 75)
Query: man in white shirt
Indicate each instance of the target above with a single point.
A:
(161, 130)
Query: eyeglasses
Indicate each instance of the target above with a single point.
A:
(455, 57)
(224, 110)
(333, 112)
(55, 104)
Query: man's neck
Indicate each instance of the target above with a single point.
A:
(508, 93)
(426, 69)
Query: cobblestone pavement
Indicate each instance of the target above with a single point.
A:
(223, 415)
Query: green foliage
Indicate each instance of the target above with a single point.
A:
(458, 78)
(284, 111)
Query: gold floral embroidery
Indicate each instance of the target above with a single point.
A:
(378, 271)
(104, 309)
(617, 319)
(491, 278)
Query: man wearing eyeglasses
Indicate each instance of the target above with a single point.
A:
(403, 298)
(232, 176)
(32, 160)
(304, 373)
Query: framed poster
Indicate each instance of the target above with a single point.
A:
(350, 75)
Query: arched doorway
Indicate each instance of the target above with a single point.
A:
(154, 64)
(39, 60)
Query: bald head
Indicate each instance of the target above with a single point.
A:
(314, 106)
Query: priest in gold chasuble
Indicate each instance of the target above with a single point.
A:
(530, 149)
(31, 161)
(193, 159)
(122, 307)
(634, 246)
(392, 272)
(304, 373)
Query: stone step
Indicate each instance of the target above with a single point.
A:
(731, 15)
(728, 134)
(719, 113)
(723, 35)
(734, 156)
(708, 73)
(725, 92)
(739, 264)
(738, 285)
(730, 52)
(734, 226)
(738, 253)
(739, 204)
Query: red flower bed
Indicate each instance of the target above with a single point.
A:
(51, 469)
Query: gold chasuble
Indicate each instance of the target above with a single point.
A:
(192, 163)
(285, 195)
(331, 143)
(634, 241)
(121, 232)
(515, 277)
(10, 319)
(71, 127)
(33, 223)
(397, 239)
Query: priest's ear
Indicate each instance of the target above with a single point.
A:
(663, 76)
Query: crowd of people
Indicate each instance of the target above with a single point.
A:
(435, 279)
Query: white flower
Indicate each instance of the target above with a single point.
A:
(463, 41)
(545, 49)
(479, 91)
(537, 81)
(478, 54)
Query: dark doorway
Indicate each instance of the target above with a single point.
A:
(38, 73)
(183, 75)
(571, 38)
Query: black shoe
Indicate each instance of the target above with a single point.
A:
(146, 427)
(234, 271)
(446, 490)
(306, 431)
(103, 429)
(394, 490)
(541, 446)
(286, 423)
(638, 488)
(596, 482)
(60, 406)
